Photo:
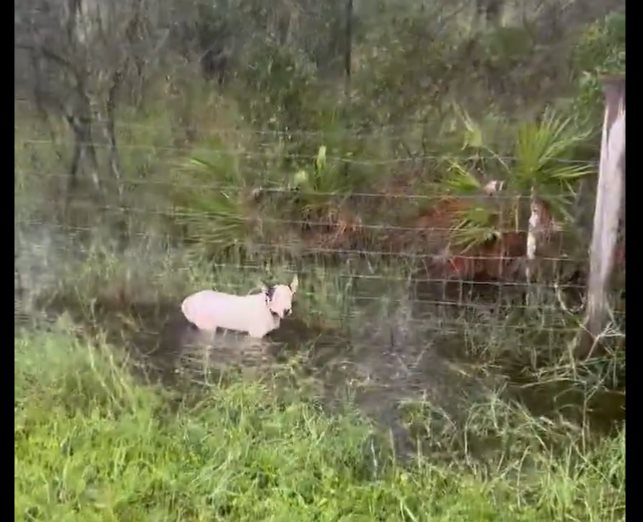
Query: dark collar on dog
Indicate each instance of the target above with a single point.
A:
(269, 293)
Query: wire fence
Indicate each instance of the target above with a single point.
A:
(429, 282)
(372, 130)
(207, 186)
(292, 156)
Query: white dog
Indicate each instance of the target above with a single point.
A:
(255, 314)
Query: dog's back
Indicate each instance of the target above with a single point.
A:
(209, 310)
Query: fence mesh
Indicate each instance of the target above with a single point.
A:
(414, 245)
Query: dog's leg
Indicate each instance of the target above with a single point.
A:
(212, 337)
(256, 333)
(252, 345)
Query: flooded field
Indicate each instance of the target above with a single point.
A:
(380, 382)
(385, 355)
(394, 346)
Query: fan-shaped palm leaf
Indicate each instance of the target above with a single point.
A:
(543, 154)
(213, 202)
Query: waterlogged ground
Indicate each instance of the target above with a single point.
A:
(437, 376)
(392, 346)
(391, 356)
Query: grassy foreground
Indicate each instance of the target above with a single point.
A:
(94, 443)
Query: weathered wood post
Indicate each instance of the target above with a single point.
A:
(609, 201)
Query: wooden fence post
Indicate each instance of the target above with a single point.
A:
(607, 213)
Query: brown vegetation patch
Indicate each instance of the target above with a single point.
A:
(499, 257)
(337, 228)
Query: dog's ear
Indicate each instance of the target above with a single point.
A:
(294, 284)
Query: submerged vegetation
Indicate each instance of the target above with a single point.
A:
(390, 156)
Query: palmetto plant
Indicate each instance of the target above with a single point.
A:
(323, 188)
(212, 199)
(477, 220)
(542, 164)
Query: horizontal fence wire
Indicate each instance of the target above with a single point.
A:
(286, 155)
(202, 185)
(256, 246)
(451, 327)
(364, 131)
(287, 269)
(186, 212)
(361, 132)
(441, 327)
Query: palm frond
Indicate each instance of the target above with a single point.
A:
(476, 226)
(460, 180)
(543, 150)
(212, 204)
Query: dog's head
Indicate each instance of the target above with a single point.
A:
(279, 298)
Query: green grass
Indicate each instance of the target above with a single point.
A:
(94, 443)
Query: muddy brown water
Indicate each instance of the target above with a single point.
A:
(383, 357)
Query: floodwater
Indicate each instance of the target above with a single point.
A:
(396, 346)
(387, 354)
